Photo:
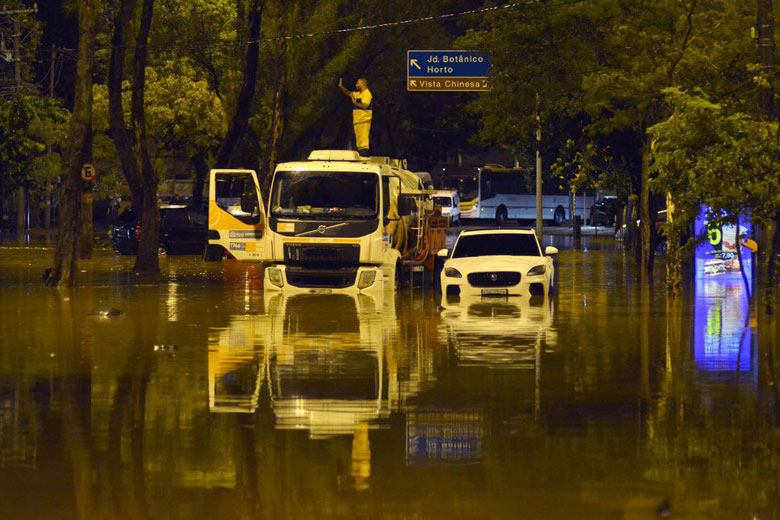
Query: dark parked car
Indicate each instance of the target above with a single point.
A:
(182, 231)
(603, 211)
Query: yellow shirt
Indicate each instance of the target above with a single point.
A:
(362, 115)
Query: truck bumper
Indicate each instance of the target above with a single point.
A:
(301, 280)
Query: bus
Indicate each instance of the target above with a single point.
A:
(500, 193)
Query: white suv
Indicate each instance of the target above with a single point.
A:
(498, 262)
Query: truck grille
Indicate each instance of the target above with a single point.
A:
(347, 254)
(498, 279)
(321, 278)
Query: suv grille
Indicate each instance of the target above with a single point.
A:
(321, 254)
(321, 278)
(498, 279)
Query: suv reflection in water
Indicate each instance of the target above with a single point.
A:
(493, 332)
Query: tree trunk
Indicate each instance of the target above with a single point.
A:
(770, 245)
(78, 150)
(238, 124)
(201, 171)
(673, 253)
(279, 118)
(21, 209)
(122, 138)
(147, 260)
(131, 145)
(47, 207)
(645, 224)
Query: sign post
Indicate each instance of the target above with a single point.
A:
(447, 71)
(88, 175)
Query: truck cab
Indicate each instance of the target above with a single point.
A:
(340, 223)
(334, 223)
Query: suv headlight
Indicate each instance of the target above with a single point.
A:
(538, 270)
(275, 276)
(366, 279)
(451, 272)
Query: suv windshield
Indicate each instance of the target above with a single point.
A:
(317, 194)
(512, 244)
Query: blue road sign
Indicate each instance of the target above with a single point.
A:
(447, 70)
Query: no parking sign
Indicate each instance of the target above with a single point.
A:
(88, 172)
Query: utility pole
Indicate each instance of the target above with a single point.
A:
(539, 224)
(766, 51)
(770, 232)
(47, 214)
(21, 192)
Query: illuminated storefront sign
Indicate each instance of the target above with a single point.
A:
(722, 341)
(717, 254)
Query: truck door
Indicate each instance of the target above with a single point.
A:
(237, 219)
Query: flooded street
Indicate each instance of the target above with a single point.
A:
(203, 397)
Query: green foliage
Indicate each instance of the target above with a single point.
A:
(729, 162)
(599, 68)
(28, 125)
(182, 114)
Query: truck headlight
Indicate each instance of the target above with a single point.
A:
(366, 279)
(451, 272)
(536, 271)
(275, 276)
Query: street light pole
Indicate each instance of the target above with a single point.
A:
(539, 225)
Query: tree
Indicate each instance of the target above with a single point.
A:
(183, 117)
(604, 63)
(132, 144)
(728, 162)
(77, 152)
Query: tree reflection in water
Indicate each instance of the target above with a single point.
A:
(607, 400)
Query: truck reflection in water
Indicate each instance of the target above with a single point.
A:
(325, 362)
(328, 364)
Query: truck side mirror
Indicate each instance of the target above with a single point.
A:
(404, 205)
(248, 202)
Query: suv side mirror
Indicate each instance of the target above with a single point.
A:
(248, 202)
(550, 250)
(404, 205)
(443, 253)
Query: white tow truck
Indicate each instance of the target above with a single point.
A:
(337, 222)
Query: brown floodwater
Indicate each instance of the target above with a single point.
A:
(202, 397)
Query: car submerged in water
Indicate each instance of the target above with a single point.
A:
(182, 231)
(498, 262)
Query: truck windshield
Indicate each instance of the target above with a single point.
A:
(317, 194)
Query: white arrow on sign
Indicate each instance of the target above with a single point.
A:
(413, 82)
(414, 64)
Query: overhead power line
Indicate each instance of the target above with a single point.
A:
(370, 27)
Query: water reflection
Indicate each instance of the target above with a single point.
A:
(499, 332)
(603, 401)
(722, 340)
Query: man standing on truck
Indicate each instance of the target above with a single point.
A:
(361, 112)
